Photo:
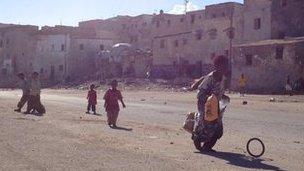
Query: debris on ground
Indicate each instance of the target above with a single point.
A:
(245, 102)
(272, 99)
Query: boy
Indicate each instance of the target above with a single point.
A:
(111, 105)
(92, 99)
(34, 103)
(25, 92)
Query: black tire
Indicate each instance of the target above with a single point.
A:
(248, 150)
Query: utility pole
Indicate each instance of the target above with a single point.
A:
(186, 5)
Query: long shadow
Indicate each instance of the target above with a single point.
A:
(122, 128)
(243, 161)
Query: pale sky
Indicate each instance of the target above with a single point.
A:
(70, 12)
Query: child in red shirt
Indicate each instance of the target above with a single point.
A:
(111, 105)
(92, 99)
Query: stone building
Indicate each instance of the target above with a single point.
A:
(195, 38)
(68, 53)
(267, 63)
(16, 51)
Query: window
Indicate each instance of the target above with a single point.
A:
(53, 47)
(213, 33)
(223, 14)
(81, 47)
(41, 70)
(226, 52)
(199, 34)
(101, 47)
(213, 15)
(212, 55)
(61, 68)
(192, 18)
(176, 43)
(182, 20)
(62, 47)
(169, 22)
(248, 60)
(283, 3)
(1, 43)
(162, 44)
(157, 24)
(7, 41)
(257, 23)
(185, 41)
(279, 52)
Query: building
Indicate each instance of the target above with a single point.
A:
(16, 51)
(267, 63)
(181, 45)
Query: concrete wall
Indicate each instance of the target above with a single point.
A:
(257, 9)
(211, 24)
(287, 19)
(267, 73)
(16, 51)
(51, 56)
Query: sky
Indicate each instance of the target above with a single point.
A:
(70, 12)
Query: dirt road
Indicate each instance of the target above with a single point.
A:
(150, 137)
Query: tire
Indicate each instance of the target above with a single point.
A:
(248, 150)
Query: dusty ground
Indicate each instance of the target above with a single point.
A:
(151, 137)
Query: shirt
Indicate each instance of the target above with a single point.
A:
(92, 97)
(24, 85)
(35, 87)
(111, 98)
(242, 81)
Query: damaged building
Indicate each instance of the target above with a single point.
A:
(168, 45)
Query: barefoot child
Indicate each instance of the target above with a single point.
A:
(111, 105)
(92, 99)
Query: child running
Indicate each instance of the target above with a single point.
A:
(111, 105)
(92, 100)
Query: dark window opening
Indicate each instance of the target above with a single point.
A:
(213, 33)
(281, 35)
(182, 20)
(53, 47)
(185, 41)
(199, 34)
(101, 47)
(1, 43)
(4, 71)
(162, 44)
(213, 15)
(223, 14)
(279, 52)
(176, 43)
(169, 22)
(257, 23)
(192, 18)
(212, 55)
(248, 60)
(62, 47)
(284, 3)
(61, 68)
(41, 70)
(226, 52)
(81, 47)
(157, 24)
(7, 41)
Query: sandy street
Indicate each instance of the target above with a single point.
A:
(151, 135)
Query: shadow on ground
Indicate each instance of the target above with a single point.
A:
(241, 160)
(122, 128)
